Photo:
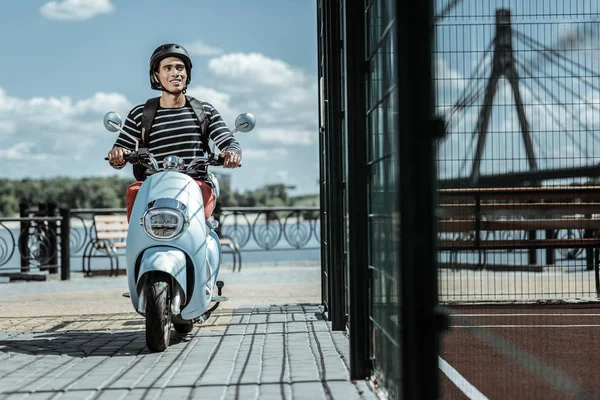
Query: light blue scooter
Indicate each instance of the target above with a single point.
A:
(173, 254)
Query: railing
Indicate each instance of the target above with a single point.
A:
(38, 242)
(33, 243)
(266, 226)
(524, 243)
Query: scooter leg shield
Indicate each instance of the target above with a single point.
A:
(167, 260)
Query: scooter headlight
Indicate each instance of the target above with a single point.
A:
(163, 223)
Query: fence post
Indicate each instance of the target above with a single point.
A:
(24, 238)
(550, 251)
(52, 239)
(40, 226)
(65, 246)
(532, 235)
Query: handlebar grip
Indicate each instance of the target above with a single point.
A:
(126, 157)
(218, 161)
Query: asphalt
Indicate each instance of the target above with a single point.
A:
(81, 339)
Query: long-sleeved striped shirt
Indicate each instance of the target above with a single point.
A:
(176, 131)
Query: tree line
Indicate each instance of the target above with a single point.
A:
(109, 192)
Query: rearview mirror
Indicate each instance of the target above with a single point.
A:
(112, 121)
(244, 123)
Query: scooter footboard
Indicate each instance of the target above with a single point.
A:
(164, 259)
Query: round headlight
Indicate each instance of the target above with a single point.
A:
(163, 223)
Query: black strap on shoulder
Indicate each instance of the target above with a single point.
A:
(198, 109)
(202, 120)
(148, 117)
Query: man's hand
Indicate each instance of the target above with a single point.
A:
(116, 154)
(232, 159)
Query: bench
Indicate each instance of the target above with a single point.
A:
(108, 236)
(472, 219)
(107, 240)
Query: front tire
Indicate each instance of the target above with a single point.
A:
(158, 315)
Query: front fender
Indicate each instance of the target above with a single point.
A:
(164, 259)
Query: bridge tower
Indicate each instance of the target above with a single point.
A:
(503, 65)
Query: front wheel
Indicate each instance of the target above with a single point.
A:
(158, 315)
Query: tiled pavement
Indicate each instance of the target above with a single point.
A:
(260, 351)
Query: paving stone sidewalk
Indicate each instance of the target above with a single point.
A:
(248, 351)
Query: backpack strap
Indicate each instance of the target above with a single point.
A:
(148, 117)
(203, 120)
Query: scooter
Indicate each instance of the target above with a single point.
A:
(172, 253)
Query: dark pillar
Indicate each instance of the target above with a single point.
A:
(43, 249)
(65, 245)
(52, 239)
(24, 238)
(550, 255)
(358, 181)
(532, 235)
(334, 188)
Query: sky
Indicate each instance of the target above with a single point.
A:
(68, 62)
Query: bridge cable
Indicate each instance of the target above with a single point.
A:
(540, 45)
(558, 102)
(465, 100)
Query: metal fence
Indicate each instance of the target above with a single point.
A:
(34, 244)
(31, 246)
(518, 84)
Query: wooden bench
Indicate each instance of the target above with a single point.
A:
(108, 236)
(471, 219)
(107, 240)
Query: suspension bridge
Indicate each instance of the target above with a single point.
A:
(528, 112)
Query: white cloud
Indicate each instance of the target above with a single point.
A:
(255, 69)
(75, 10)
(219, 100)
(283, 99)
(288, 136)
(199, 48)
(263, 154)
(447, 76)
(102, 102)
(67, 136)
(22, 151)
(283, 176)
(7, 128)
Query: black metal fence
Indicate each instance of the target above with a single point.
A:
(33, 245)
(37, 241)
(518, 85)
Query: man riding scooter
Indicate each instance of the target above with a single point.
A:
(174, 125)
(172, 254)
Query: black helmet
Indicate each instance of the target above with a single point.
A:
(164, 51)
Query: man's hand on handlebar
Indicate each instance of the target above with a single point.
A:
(116, 156)
(231, 159)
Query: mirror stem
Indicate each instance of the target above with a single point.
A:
(117, 127)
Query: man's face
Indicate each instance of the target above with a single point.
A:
(172, 74)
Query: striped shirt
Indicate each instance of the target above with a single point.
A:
(176, 131)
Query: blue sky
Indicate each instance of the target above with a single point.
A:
(67, 62)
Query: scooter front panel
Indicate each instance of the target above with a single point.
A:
(191, 241)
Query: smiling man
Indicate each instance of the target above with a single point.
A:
(176, 128)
